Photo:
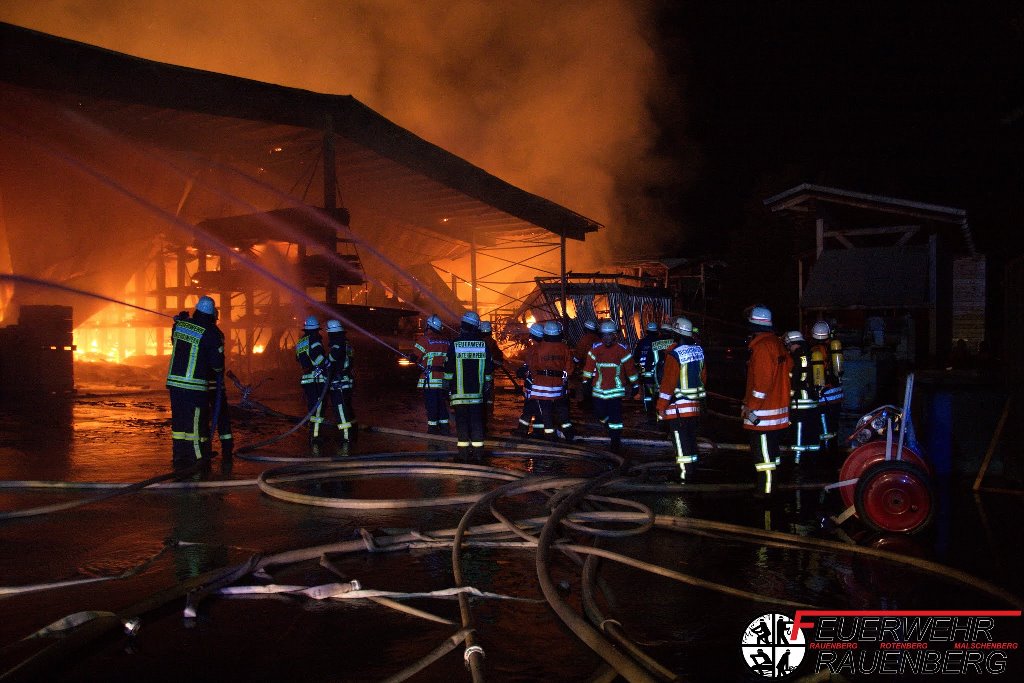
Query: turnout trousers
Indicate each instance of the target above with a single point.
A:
(435, 401)
(609, 412)
(314, 392)
(342, 400)
(682, 432)
(469, 428)
(190, 427)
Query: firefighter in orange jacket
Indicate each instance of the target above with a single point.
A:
(765, 409)
(610, 371)
(550, 364)
(531, 409)
(681, 393)
(827, 371)
(431, 351)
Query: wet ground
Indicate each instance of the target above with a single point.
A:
(171, 535)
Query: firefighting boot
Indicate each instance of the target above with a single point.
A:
(462, 453)
(522, 429)
(616, 441)
(569, 432)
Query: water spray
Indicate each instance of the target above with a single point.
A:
(24, 279)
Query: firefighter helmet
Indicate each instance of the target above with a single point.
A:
(590, 325)
(760, 316)
(683, 326)
(609, 327)
(552, 328)
(485, 327)
(652, 326)
(434, 323)
(311, 323)
(537, 330)
(792, 337)
(820, 330)
(205, 305)
(334, 326)
(472, 319)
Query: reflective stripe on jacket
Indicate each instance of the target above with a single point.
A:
(432, 349)
(682, 387)
(550, 364)
(197, 354)
(768, 384)
(309, 352)
(612, 370)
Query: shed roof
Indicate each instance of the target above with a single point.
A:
(386, 174)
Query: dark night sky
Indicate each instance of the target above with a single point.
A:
(919, 101)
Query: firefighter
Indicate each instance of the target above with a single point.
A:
(681, 394)
(551, 363)
(531, 410)
(668, 337)
(498, 361)
(219, 409)
(805, 423)
(340, 357)
(610, 371)
(827, 374)
(641, 352)
(197, 354)
(431, 352)
(586, 342)
(765, 408)
(309, 352)
(467, 370)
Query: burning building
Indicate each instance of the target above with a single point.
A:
(154, 184)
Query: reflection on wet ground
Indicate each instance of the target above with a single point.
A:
(692, 630)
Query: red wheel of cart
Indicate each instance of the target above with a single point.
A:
(864, 457)
(895, 496)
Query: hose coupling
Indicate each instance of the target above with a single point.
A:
(473, 650)
(131, 626)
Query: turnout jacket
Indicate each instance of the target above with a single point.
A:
(340, 358)
(197, 353)
(584, 345)
(612, 370)
(767, 394)
(682, 386)
(309, 352)
(550, 364)
(642, 351)
(467, 368)
(803, 394)
(654, 364)
(431, 351)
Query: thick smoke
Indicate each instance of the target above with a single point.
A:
(552, 97)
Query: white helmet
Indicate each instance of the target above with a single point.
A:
(683, 326)
(334, 326)
(590, 325)
(760, 316)
(434, 323)
(472, 319)
(651, 326)
(609, 327)
(537, 330)
(820, 330)
(792, 337)
(205, 305)
(485, 327)
(311, 323)
(552, 328)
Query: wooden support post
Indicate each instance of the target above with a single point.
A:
(472, 272)
(565, 310)
(330, 204)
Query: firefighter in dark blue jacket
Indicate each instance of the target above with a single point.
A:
(197, 355)
(641, 353)
(467, 370)
(309, 352)
(340, 355)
